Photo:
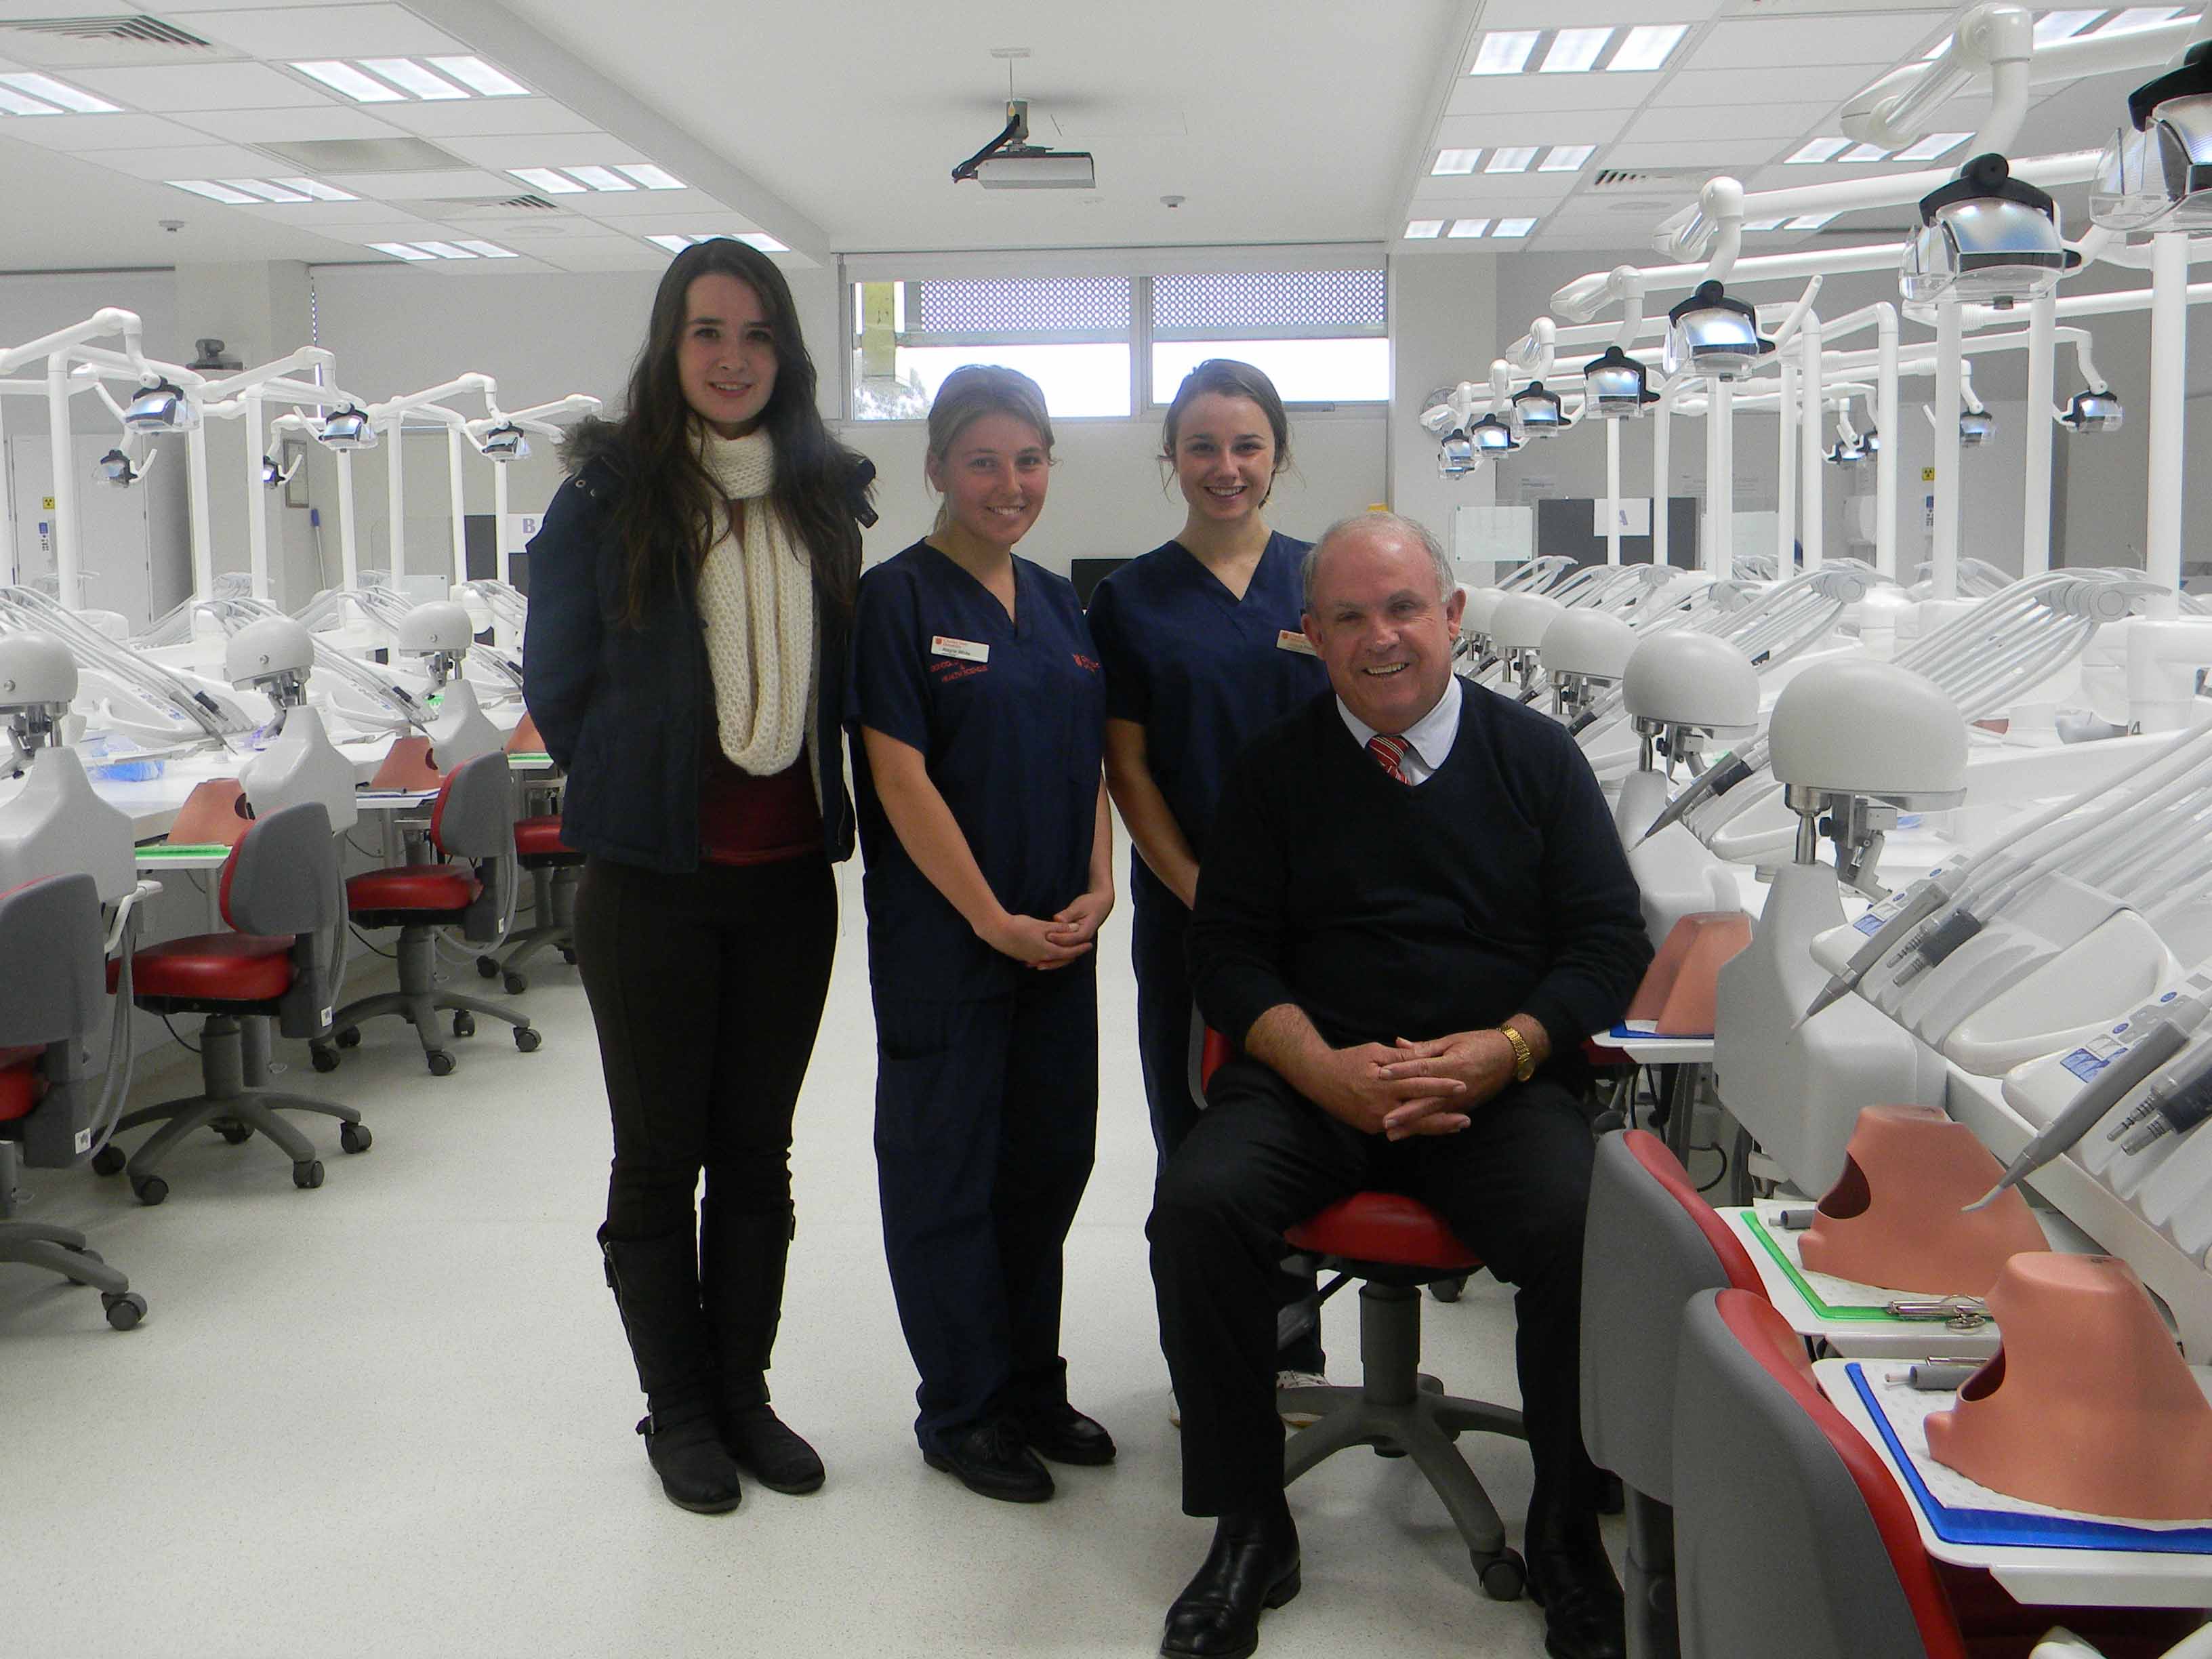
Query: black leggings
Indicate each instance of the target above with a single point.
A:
(706, 989)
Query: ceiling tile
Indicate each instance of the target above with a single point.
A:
(558, 149)
(320, 31)
(606, 254)
(188, 162)
(330, 218)
(1738, 154)
(479, 118)
(203, 86)
(1786, 42)
(445, 183)
(1758, 121)
(1548, 14)
(1546, 95)
(1814, 86)
(1588, 127)
(1534, 189)
(289, 126)
(627, 206)
(85, 134)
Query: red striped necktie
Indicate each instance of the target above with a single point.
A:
(1390, 754)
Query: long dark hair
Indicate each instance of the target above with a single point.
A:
(670, 511)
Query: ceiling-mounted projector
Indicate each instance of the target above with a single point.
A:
(1010, 161)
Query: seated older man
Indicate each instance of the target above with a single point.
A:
(1419, 910)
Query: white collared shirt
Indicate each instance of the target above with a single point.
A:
(1427, 741)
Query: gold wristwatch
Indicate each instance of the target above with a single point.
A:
(1524, 1060)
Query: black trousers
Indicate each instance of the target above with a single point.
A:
(1513, 1185)
(706, 989)
(986, 1118)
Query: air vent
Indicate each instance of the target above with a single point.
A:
(321, 157)
(102, 42)
(496, 206)
(1617, 179)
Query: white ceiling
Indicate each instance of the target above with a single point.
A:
(834, 124)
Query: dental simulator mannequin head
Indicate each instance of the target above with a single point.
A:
(1382, 611)
(990, 458)
(1227, 439)
(723, 356)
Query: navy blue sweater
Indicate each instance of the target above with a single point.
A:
(1497, 887)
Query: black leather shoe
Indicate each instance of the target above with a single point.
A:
(769, 1452)
(991, 1459)
(1571, 1579)
(1065, 1435)
(1254, 1564)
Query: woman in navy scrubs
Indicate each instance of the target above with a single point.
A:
(1203, 647)
(979, 704)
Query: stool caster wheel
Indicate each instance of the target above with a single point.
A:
(150, 1189)
(516, 984)
(441, 1063)
(355, 1137)
(308, 1174)
(487, 968)
(233, 1131)
(464, 1024)
(350, 1037)
(108, 1160)
(569, 955)
(125, 1307)
(527, 1039)
(1388, 1449)
(1447, 1289)
(1504, 1575)
(325, 1058)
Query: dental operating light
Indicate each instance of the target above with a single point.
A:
(1616, 386)
(1537, 412)
(1493, 437)
(1711, 334)
(346, 427)
(161, 407)
(119, 469)
(505, 443)
(1985, 237)
(1976, 428)
(2158, 170)
(1456, 457)
(274, 476)
(2093, 411)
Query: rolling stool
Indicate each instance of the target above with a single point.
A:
(1396, 1245)
(553, 867)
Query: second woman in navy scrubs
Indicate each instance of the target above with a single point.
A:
(1202, 643)
(980, 707)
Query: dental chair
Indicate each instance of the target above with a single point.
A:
(472, 825)
(1793, 1536)
(51, 1001)
(1650, 1243)
(1396, 1245)
(553, 867)
(279, 890)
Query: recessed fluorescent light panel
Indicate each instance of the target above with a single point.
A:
(410, 76)
(445, 250)
(318, 190)
(652, 177)
(2055, 26)
(601, 177)
(1933, 147)
(1648, 48)
(673, 244)
(1817, 149)
(1462, 227)
(1418, 230)
(489, 250)
(1513, 227)
(1763, 224)
(1450, 162)
(213, 191)
(1567, 158)
(401, 251)
(2138, 17)
(1504, 51)
(1514, 159)
(753, 238)
(761, 240)
(16, 103)
(480, 77)
(59, 93)
(262, 189)
(1813, 221)
(1863, 152)
(342, 77)
(545, 178)
(1574, 52)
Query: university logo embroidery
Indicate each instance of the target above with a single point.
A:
(1089, 665)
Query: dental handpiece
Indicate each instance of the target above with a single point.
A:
(2105, 1091)
(1919, 901)
(2175, 1104)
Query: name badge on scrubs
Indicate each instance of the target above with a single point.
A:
(1290, 640)
(965, 650)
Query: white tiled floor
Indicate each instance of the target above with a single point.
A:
(392, 1417)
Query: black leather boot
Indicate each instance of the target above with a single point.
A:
(1572, 1578)
(656, 1287)
(741, 1266)
(1254, 1564)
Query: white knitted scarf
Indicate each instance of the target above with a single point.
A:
(758, 601)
